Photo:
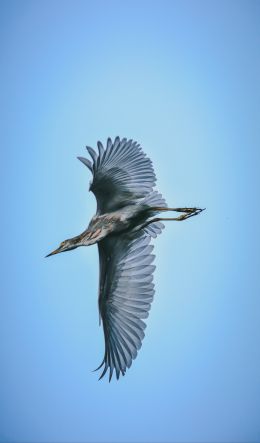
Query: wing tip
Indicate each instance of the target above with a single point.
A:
(111, 371)
(86, 162)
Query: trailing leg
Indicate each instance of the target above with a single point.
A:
(187, 213)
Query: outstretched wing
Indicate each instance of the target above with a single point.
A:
(121, 173)
(125, 295)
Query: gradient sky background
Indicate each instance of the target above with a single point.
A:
(182, 78)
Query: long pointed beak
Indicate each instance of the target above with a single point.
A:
(54, 252)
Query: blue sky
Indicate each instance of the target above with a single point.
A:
(182, 78)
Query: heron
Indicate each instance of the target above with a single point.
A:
(128, 215)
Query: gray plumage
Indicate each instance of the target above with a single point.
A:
(123, 184)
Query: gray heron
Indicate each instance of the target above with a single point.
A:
(126, 219)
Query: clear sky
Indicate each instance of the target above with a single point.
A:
(181, 78)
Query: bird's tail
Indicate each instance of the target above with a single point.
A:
(152, 200)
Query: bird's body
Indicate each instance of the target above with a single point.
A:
(123, 182)
(113, 222)
(128, 218)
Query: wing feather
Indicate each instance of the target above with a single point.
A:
(121, 173)
(126, 294)
(86, 162)
(101, 152)
(94, 156)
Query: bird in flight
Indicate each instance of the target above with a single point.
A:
(126, 219)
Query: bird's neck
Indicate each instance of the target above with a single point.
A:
(78, 240)
(86, 238)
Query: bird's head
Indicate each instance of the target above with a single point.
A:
(66, 245)
(87, 238)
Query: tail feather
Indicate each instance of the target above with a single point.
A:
(154, 199)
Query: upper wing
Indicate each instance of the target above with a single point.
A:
(121, 173)
(125, 295)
